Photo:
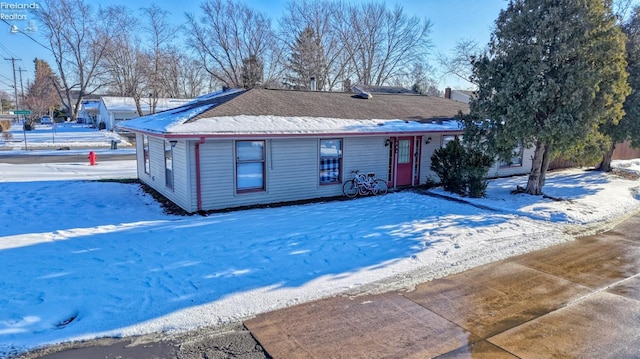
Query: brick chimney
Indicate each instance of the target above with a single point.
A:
(447, 93)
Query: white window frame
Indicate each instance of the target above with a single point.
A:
(145, 154)
(249, 162)
(168, 165)
(325, 168)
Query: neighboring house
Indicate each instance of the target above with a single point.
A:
(113, 109)
(90, 111)
(458, 95)
(246, 147)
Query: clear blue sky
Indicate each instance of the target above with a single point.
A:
(452, 20)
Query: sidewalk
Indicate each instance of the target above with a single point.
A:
(579, 299)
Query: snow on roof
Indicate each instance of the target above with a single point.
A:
(113, 103)
(90, 105)
(183, 121)
(174, 123)
(159, 122)
(271, 125)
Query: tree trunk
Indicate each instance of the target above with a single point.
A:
(544, 167)
(605, 165)
(536, 176)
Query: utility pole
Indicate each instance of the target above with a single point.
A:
(15, 91)
(20, 71)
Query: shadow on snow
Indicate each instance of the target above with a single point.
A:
(117, 276)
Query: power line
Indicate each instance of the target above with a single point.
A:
(27, 35)
(5, 49)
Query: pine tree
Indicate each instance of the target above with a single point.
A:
(42, 97)
(307, 61)
(554, 71)
(252, 72)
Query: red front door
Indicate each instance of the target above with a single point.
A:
(404, 161)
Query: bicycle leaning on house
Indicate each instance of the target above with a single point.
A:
(364, 184)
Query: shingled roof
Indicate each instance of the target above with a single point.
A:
(286, 103)
(283, 112)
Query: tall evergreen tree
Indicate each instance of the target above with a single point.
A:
(307, 61)
(554, 71)
(42, 97)
(629, 126)
(252, 72)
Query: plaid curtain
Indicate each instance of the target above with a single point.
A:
(329, 170)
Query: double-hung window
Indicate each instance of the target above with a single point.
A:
(448, 138)
(168, 164)
(516, 158)
(145, 153)
(250, 165)
(331, 161)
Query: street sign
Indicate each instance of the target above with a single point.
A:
(22, 112)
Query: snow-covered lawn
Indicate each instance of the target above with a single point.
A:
(60, 135)
(83, 259)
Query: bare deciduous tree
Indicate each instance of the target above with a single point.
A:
(382, 44)
(125, 64)
(161, 35)
(421, 80)
(319, 16)
(228, 33)
(78, 40)
(460, 62)
(183, 76)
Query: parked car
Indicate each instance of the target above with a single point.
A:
(46, 120)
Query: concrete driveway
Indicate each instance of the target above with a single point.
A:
(579, 299)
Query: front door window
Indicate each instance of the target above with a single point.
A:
(404, 151)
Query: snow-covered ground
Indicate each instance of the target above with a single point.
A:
(61, 135)
(84, 259)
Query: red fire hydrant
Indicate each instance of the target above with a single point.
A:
(92, 158)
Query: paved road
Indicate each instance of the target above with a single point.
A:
(579, 299)
(35, 158)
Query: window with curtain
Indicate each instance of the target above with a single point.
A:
(145, 153)
(250, 165)
(330, 161)
(168, 164)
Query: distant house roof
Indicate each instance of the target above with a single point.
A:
(261, 111)
(90, 105)
(114, 103)
(383, 89)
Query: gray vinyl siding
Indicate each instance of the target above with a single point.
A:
(504, 171)
(426, 174)
(495, 171)
(291, 170)
(156, 177)
(366, 154)
(217, 174)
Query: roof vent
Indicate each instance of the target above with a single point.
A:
(362, 93)
(313, 83)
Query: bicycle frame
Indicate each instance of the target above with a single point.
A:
(364, 184)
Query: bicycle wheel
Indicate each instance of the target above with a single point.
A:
(350, 189)
(379, 187)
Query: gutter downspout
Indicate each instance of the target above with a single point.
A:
(395, 162)
(198, 176)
